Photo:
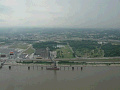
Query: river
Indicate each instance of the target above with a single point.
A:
(89, 78)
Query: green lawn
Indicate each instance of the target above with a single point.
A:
(20, 46)
(64, 52)
(29, 51)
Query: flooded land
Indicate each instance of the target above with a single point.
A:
(87, 78)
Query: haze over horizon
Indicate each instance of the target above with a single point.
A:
(60, 13)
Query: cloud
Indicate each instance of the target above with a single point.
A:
(5, 9)
(43, 6)
(60, 13)
(1, 20)
(10, 3)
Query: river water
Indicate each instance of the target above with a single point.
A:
(89, 78)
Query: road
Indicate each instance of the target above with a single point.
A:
(72, 59)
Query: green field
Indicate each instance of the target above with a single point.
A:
(64, 52)
(29, 51)
(20, 46)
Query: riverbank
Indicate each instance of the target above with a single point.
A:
(64, 65)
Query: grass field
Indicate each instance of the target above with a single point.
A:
(29, 51)
(20, 46)
(64, 52)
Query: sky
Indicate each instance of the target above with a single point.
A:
(60, 13)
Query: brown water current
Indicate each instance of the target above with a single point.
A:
(89, 78)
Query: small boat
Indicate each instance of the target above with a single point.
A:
(52, 68)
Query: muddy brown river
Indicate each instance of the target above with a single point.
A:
(89, 78)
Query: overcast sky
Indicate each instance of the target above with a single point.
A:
(60, 13)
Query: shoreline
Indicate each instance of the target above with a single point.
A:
(62, 65)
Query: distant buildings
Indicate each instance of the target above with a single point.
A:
(42, 54)
(102, 43)
(7, 53)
